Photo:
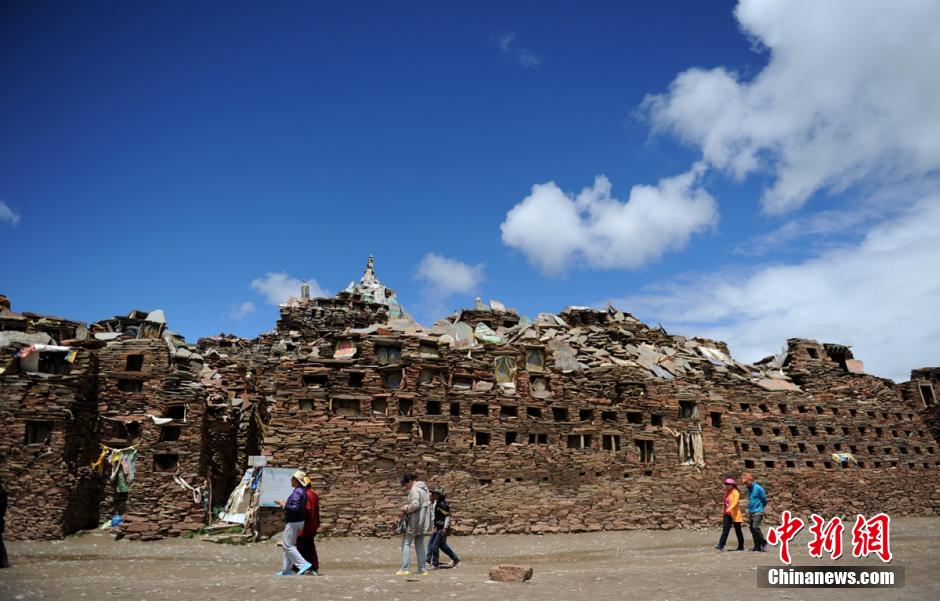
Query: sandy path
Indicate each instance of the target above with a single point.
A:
(677, 565)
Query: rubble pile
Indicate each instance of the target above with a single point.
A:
(581, 421)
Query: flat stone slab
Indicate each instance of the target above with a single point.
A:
(510, 573)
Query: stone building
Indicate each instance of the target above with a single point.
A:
(584, 420)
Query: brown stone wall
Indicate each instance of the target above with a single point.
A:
(156, 505)
(568, 458)
(51, 491)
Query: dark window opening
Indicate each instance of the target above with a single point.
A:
(812, 430)
(745, 447)
(511, 437)
(845, 429)
(355, 379)
(784, 447)
(745, 407)
(835, 411)
(611, 442)
(392, 379)
(405, 427)
(634, 417)
(776, 431)
(131, 429)
(782, 407)
(455, 409)
(810, 464)
(688, 410)
(749, 463)
(585, 415)
(791, 464)
(433, 408)
(38, 432)
(53, 363)
(609, 416)
(177, 412)
(130, 385)
(819, 410)
(645, 450)
(533, 412)
(769, 463)
(170, 433)
(764, 448)
(166, 462)
(344, 407)
(763, 408)
(656, 419)
(479, 409)
(405, 406)
(538, 438)
(481, 439)
(508, 411)
(794, 430)
(560, 414)
(134, 363)
(926, 394)
(579, 441)
(801, 446)
(821, 448)
(306, 404)
(853, 412)
(433, 432)
(757, 431)
(315, 380)
(716, 419)
(380, 407)
(813, 353)
(801, 408)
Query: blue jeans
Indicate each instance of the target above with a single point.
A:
(439, 543)
(406, 541)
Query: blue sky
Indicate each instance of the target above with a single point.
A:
(766, 164)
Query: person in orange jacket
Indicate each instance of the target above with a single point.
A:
(731, 516)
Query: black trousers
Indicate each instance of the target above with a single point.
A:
(726, 528)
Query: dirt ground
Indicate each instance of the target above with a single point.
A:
(608, 565)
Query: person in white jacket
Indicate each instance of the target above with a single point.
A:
(417, 514)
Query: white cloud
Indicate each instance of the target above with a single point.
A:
(879, 295)
(850, 95)
(555, 230)
(444, 277)
(520, 55)
(278, 287)
(240, 311)
(7, 214)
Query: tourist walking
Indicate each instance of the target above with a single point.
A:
(731, 515)
(756, 500)
(441, 511)
(306, 540)
(417, 516)
(294, 519)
